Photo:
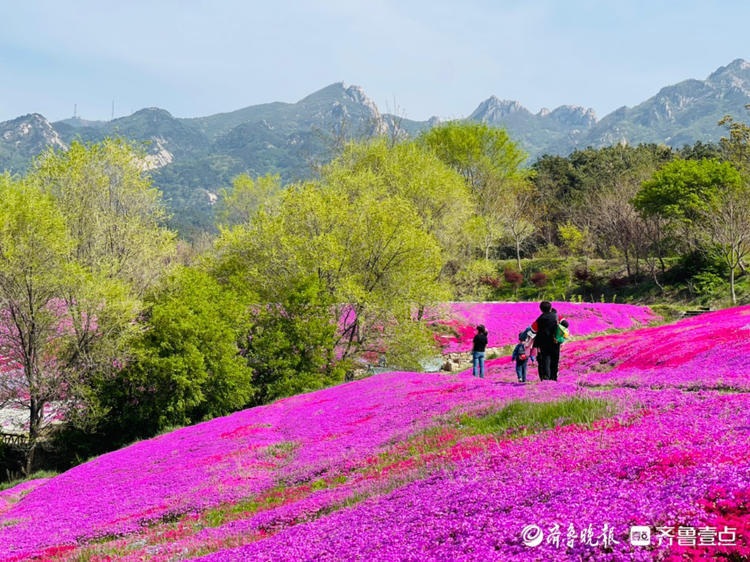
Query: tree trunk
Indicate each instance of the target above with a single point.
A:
(33, 435)
(518, 254)
(627, 261)
(29, 467)
(731, 285)
(655, 277)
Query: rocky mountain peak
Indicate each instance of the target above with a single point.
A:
(735, 75)
(494, 109)
(357, 95)
(32, 130)
(736, 66)
(574, 115)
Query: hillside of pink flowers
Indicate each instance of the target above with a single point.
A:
(382, 468)
(504, 320)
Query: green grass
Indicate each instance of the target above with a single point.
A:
(603, 387)
(523, 418)
(281, 449)
(34, 476)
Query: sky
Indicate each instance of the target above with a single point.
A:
(414, 58)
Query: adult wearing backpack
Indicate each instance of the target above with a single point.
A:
(546, 341)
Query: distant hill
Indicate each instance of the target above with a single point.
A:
(192, 158)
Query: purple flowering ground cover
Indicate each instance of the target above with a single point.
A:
(504, 320)
(382, 468)
(611, 477)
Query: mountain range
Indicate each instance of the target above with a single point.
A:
(191, 158)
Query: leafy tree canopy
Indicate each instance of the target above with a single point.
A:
(681, 189)
(113, 213)
(238, 204)
(474, 150)
(186, 365)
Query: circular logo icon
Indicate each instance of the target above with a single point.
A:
(532, 535)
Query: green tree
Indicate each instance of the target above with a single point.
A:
(490, 163)
(707, 196)
(726, 224)
(736, 146)
(557, 182)
(437, 194)
(238, 204)
(34, 247)
(291, 344)
(475, 150)
(59, 323)
(186, 365)
(366, 244)
(113, 212)
(571, 187)
(577, 241)
(680, 190)
(90, 221)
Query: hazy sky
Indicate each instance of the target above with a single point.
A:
(422, 58)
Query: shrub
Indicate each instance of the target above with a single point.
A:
(512, 277)
(186, 364)
(539, 279)
(694, 263)
(477, 280)
(583, 275)
(490, 281)
(548, 252)
(617, 282)
(707, 282)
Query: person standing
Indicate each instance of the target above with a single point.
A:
(477, 351)
(520, 356)
(545, 327)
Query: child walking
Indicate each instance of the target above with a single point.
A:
(521, 356)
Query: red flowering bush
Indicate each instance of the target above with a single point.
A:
(490, 281)
(539, 279)
(513, 277)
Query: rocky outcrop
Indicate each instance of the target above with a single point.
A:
(30, 131)
(493, 110)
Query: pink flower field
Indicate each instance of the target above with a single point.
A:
(504, 320)
(389, 467)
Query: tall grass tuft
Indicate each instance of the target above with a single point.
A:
(523, 418)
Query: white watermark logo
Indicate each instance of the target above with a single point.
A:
(559, 535)
(532, 535)
(640, 535)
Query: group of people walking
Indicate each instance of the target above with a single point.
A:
(540, 343)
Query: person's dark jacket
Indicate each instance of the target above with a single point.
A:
(546, 328)
(480, 342)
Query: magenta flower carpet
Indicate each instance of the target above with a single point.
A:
(504, 320)
(385, 469)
